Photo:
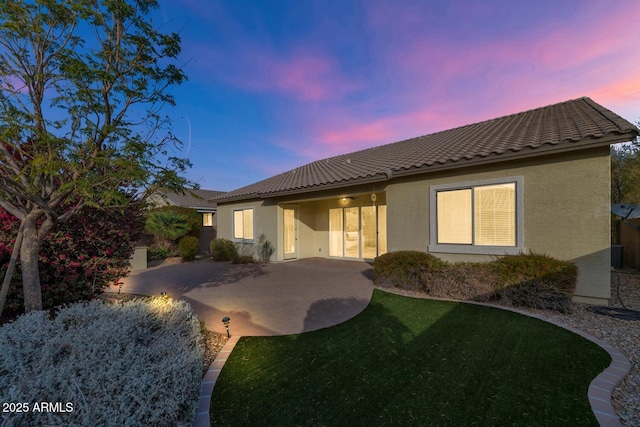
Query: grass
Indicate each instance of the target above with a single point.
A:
(406, 361)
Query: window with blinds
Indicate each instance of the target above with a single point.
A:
(243, 224)
(481, 215)
(495, 215)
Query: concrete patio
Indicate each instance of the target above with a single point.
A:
(270, 299)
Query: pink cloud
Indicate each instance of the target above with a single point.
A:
(301, 75)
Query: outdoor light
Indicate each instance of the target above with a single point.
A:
(226, 321)
(164, 295)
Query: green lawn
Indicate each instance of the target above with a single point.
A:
(406, 361)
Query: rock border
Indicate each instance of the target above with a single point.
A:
(599, 392)
(209, 381)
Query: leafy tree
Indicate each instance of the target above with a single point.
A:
(82, 86)
(625, 179)
(625, 173)
(167, 225)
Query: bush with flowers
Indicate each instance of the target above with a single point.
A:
(80, 258)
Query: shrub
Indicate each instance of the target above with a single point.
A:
(515, 269)
(404, 269)
(526, 280)
(243, 259)
(193, 217)
(266, 248)
(461, 280)
(158, 253)
(188, 248)
(534, 280)
(151, 374)
(167, 225)
(80, 258)
(223, 250)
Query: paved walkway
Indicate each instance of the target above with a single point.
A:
(271, 299)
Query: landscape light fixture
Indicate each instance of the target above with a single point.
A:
(164, 295)
(226, 321)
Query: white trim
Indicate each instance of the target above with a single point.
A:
(436, 247)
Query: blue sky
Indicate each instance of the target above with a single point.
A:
(277, 84)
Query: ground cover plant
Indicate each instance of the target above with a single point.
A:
(525, 280)
(125, 364)
(408, 361)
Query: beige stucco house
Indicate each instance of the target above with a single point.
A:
(200, 200)
(533, 181)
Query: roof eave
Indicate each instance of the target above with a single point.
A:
(525, 153)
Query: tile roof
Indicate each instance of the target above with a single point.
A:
(574, 124)
(193, 198)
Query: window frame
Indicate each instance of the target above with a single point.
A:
(207, 215)
(472, 248)
(233, 225)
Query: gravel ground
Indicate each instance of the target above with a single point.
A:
(213, 344)
(622, 334)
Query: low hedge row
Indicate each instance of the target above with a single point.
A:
(526, 280)
(130, 364)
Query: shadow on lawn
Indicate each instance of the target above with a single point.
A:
(406, 361)
(332, 311)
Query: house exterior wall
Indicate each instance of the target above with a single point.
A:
(312, 224)
(566, 201)
(566, 212)
(265, 216)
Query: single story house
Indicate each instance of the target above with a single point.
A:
(200, 200)
(536, 181)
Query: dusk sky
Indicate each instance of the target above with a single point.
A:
(278, 84)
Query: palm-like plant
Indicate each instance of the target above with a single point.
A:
(167, 226)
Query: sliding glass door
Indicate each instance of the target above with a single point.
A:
(358, 232)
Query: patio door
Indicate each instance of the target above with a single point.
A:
(358, 232)
(290, 234)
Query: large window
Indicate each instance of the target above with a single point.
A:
(243, 224)
(478, 217)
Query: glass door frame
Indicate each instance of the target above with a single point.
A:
(294, 253)
(342, 251)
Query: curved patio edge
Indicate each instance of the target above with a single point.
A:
(599, 392)
(209, 381)
(602, 386)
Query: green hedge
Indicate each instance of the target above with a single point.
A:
(404, 269)
(223, 250)
(188, 248)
